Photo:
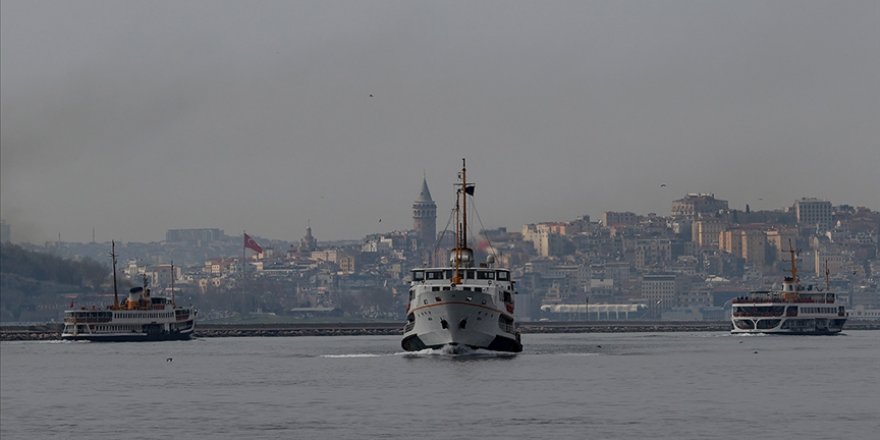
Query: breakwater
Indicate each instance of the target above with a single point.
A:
(354, 329)
(48, 332)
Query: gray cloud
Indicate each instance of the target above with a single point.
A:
(136, 117)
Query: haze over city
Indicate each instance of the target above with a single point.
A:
(137, 117)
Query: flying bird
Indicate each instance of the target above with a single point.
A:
(662, 185)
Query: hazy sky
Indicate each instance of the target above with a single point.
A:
(134, 117)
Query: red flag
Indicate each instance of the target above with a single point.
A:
(251, 244)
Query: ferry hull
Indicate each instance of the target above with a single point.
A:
(787, 332)
(500, 343)
(134, 337)
(808, 326)
(179, 334)
(458, 323)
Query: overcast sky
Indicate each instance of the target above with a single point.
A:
(133, 117)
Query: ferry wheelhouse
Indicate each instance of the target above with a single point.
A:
(140, 317)
(792, 310)
(461, 305)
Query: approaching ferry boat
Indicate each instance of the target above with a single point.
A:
(141, 317)
(793, 310)
(461, 305)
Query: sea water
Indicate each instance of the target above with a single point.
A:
(571, 386)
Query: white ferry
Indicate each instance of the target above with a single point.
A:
(141, 317)
(461, 305)
(793, 310)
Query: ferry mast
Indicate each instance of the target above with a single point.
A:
(115, 291)
(461, 222)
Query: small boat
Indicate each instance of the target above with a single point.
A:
(793, 310)
(461, 305)
(140, 317)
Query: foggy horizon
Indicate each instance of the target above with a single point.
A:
(138, 117)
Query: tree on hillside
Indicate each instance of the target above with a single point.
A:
(15, 260)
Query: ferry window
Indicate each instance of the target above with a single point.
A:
(448, 274)
(470, 274)
(418, 275)
(435, 275)
(485, 275)
(503, 275)
(478, 289)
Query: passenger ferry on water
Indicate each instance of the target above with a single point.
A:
(792, 311)
(461, 305)
(141, 317)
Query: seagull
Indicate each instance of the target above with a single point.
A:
(371, 95)
(169, 360)
(662, 185)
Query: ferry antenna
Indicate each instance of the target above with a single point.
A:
(115, 291)
(794, 269)
(173, 303)
(827, 276)
(460, 223)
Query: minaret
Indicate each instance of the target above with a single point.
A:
(308, 243)
(425, 217)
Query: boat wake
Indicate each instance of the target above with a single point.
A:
(457, 352)
(749, 335)
(352, 355)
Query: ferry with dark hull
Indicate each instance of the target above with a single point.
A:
(793, 310)
(461, 305)
(140, 317)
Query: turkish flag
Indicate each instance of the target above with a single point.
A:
(251, 244)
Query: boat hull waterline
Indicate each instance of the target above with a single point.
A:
(133, 337)
(459, 321)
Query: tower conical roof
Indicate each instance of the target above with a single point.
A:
(425, 195)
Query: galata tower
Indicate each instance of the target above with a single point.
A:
(425, 217)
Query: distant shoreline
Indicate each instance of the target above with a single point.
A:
(50, 332)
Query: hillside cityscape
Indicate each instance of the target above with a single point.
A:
(620, 266)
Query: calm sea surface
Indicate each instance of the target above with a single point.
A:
(572, 386)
